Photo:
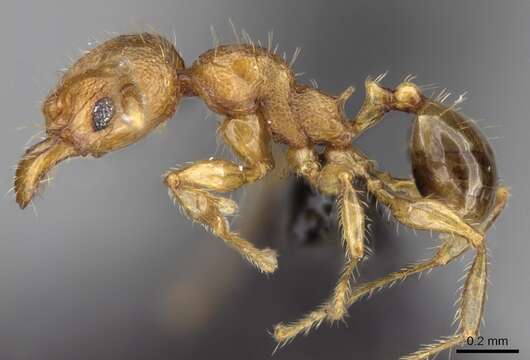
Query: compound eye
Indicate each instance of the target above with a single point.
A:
(102, 113)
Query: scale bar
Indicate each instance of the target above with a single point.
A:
(487, 351)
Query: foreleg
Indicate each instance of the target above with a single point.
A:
(191, 186)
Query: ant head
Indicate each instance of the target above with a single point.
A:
(110, 98)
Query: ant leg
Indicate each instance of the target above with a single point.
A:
(411, 209)
(305, 163)
(399, 185)
(470, 310)
(471, 306)
(501, 199)
(450, 249)
(352, 221)
(429, 214)
(408, 187)
(191, 185)
(423, 213)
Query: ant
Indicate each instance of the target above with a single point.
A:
(121, 90)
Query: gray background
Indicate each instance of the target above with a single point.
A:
(107, 268)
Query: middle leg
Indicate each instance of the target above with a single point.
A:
(334, 179)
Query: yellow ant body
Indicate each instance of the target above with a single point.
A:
(124, 88)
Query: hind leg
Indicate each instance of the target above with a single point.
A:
(469, 312)
(338, 182)
(423, 213)
(430, 214)
(450, 249)
(399, 185)
(192, 185)
(471, 306)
